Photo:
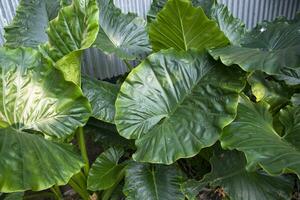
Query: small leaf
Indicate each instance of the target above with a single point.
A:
(74, 30)
(182, 26)
(153, 182)
(105, 171)
(296, 99)
(229, 173)
(102, 96)
(28, 27)
(122, 34)
(176, 103)
(252, 132)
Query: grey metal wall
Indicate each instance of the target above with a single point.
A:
(105, 66)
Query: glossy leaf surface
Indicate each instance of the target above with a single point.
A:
(252, 132)
(182, 26)
(102, 96)
(147, 182)
(175, 104)
(28, 27)
(122, 34)
(229, 173)
(106, 170)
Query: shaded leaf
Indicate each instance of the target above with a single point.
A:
(252, 132)
(229, 173)
(152, 182)
(272, 47)
(182, 26)
(122, 34)
(175, 104)
(105, 171)
(75, 29)
(28, 27)
(102, 96)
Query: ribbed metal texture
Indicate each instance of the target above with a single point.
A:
(105, 66)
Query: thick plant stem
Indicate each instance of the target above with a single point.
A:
(128, 65)
(107, 193)
(55, 189)
(81, 191)
(82, 147)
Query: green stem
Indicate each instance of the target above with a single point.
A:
(82, 147)
(107, 193)
(81, 191)
(128, 65)
(55, 189)
(39, 196)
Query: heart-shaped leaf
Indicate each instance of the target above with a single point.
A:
(122, 34)
(153, 182)
(35, 99)
(28, 27)
(229, 173)
(175, 104)
(272, 47)
(102, 96)
(252, 132)
(106, 171)
(74, 30)
(182, 26)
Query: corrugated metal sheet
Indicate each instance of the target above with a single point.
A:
(104, 66)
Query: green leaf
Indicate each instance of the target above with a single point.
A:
(102, 96)
(35, 96)
(233, 28)
(252, 132)
(229, 173)
(152, 182)
(29, 162)
(265, 88)
(272, 47)
(182, 26)
(28, 27)
(105, 171)
(12, 196)
(157, 6)
(296, 99)
(122, 34)
(74, 30)
(176, 103)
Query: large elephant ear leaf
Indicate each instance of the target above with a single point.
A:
(182, 26)
(106, 170)
(252, 132)
(233, 28)
(153, 182)
(28, 27)
(265, 48)
(229, 173)
(35, 99)
(73, 30)
(124, 35)
(176, 103)
(102, 96)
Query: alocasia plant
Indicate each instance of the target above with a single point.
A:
(205, 89)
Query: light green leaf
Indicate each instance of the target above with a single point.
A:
(106, 171)
(265, 88)
(252, 132)
(176, 103)
(182, 26)
(28, 27)
(35, 96)
(102, 96)
(296, 99)
(152, 182)
(30, 162)
(233, 28)
(122, 34)
(272, 47)
(229, 173)
(74, 30)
